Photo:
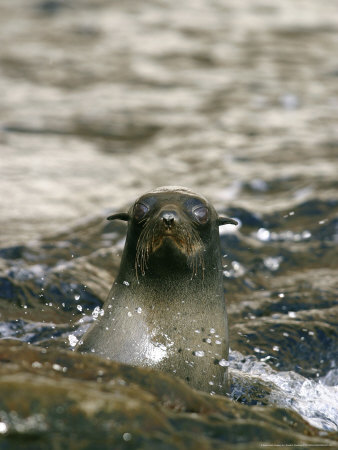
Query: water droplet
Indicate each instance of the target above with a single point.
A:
(273, 263)
(263, 234)
(72, 340)
(127, 437)
(97, 312)
(223, 363)
(36, 365)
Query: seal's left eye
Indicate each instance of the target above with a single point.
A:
(140, 210)
(201, 214)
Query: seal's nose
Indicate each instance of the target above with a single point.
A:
(169, 218)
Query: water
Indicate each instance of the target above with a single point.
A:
(238, 101)
(283, 320)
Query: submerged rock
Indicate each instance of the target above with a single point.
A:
(59, 399)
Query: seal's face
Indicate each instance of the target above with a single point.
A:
(172, 220)
(174, 223)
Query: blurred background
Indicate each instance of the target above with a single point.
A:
(101, 100)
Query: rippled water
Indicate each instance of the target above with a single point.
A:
(236, 100)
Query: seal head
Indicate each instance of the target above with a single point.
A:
(166, 308)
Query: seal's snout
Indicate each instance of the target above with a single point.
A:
(169, 218)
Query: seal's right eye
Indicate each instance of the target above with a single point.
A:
(140, 210)
(202, 214)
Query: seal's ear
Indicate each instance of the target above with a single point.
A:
(121, 216)
(225, 220)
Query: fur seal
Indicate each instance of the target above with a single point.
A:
(166, 308)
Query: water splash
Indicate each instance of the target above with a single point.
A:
(315, 401)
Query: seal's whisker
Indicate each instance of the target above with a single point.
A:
(192, 246)
(144, 247)
(192, 265)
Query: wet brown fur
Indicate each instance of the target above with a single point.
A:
(184, 236)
